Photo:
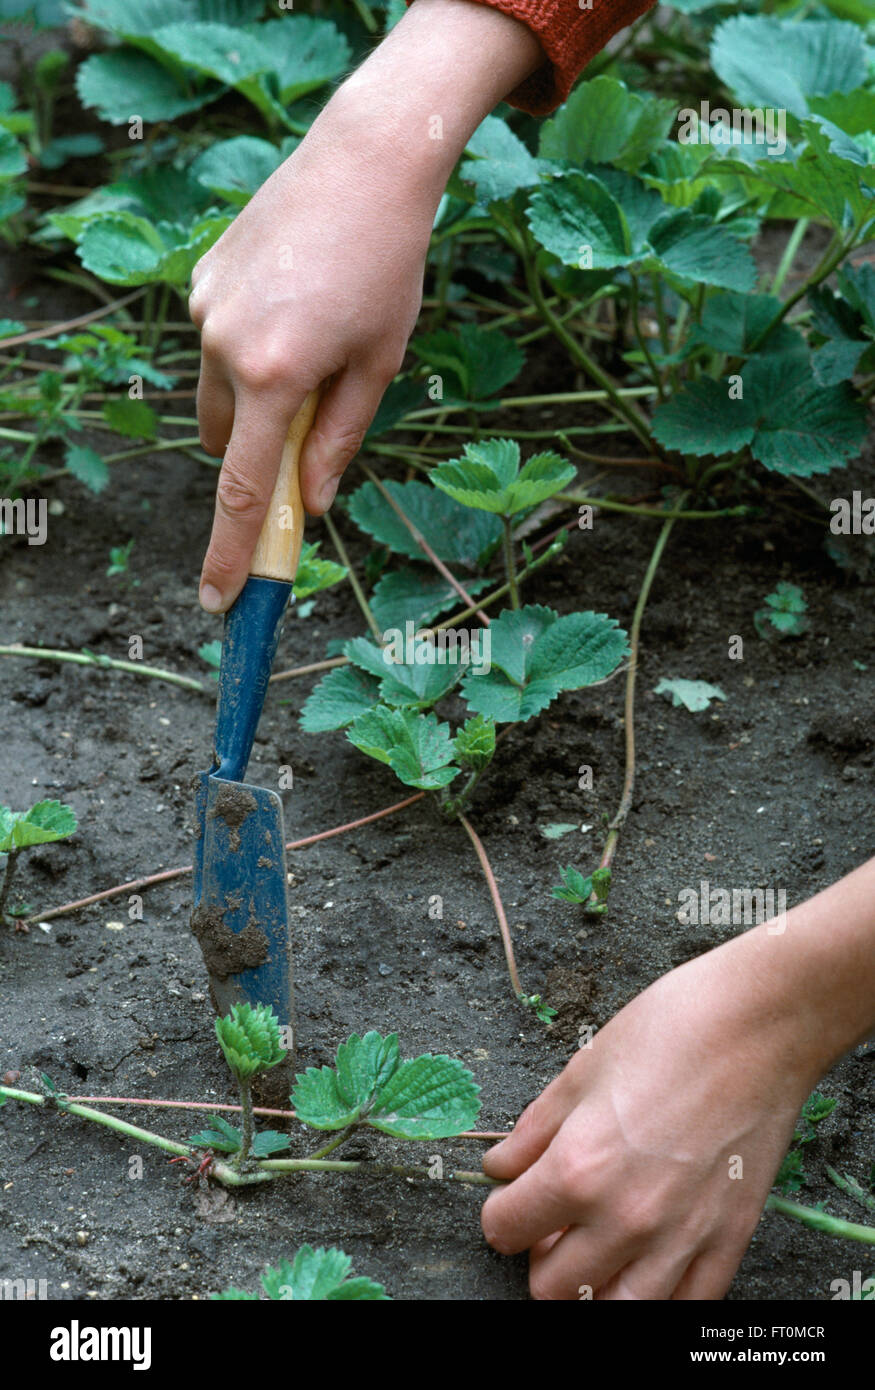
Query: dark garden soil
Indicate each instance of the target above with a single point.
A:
(773, 788)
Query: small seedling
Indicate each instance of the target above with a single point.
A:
(315, 1276)
(119, 561)
(19, 830)
(784, 613)
(592, 891)
(542, 1011)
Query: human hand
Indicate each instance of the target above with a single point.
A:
(319, 278)
(642, 1170)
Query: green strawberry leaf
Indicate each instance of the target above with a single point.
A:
(416, 746)
(124, 82)
(776, 62)
(489, 477)
(474, 362)
(792, 424)
(87, 466)
(457, 534)
(268, 1142)
(319, 1276)
(315, 574)
(235, 169)
(535, 655)
(612, 220)
(132, 418)
(415, 596)
(250, 1039)
(602, 122)
(574, 887)
(474, 744)
(222, 1137)
(45, 822)
(339, 698)
(501, 163)
(428, 1097)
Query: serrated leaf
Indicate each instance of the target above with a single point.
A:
(775, 62)
(488, 476)
(420, 684)
(428, 1097)
(250, 1039)
(339, 698)
(693, 695)
(319, 1276)
(44, 822)
(475, 362)
(613, 220)
(416, 746)
(604, 123)
(333, 1097)
(792, 423)
(132, 418)
(305, 53)
(315, 573)
(536, 655)
(269, 1141)
(126, 82)
(416, 596)
(87, 466)
(474, 744)
(125, 249)
(502, 163)
(235, 169)
(457, 534)
(223, 1137)
(574, 887)
(732, 323)
(424, 1098)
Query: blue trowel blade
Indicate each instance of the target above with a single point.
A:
(240, 912)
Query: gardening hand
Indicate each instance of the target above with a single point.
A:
(642, 1170)
(319, 279)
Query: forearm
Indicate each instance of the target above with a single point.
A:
(818, 974)
(420, 96)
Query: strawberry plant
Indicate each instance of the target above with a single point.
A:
(783, 614)
(43, 823)
(316, 1276)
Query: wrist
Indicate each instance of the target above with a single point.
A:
(420, 96)
(813, 971)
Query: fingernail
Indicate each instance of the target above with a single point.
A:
(210, 598)
(329, 491)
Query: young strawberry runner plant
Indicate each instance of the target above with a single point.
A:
(370, 1087)
(45, 822)
(313, 1276)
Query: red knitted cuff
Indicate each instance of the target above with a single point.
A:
(570, 37)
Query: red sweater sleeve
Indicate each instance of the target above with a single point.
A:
(570, 36)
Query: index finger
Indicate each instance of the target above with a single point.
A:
(246, 483)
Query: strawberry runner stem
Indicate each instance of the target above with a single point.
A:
(496, 903)
(629, 707)
(268, 1169)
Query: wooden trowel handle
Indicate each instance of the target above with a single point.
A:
(279, 544)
